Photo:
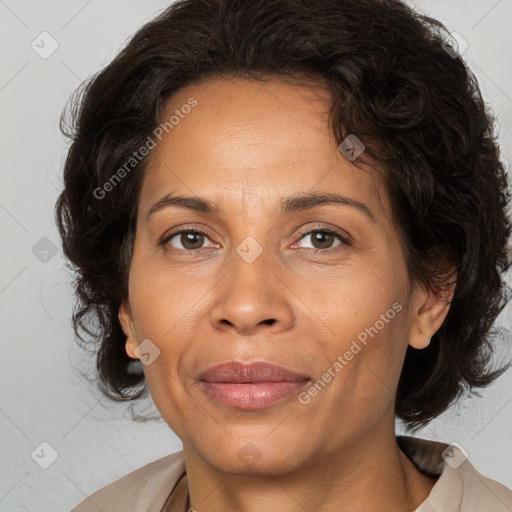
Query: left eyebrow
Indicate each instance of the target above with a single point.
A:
(304, 201)
(296, 202)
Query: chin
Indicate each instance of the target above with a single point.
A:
(252, 458)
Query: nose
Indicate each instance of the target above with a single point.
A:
(252, 297)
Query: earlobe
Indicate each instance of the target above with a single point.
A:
(130, 346)
(430, 313)
(420, 342)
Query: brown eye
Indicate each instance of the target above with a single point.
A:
(192, 240)
(323, 239)
(186, 240)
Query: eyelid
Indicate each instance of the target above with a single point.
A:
(189, 229)
(345, 238)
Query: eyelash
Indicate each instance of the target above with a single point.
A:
(343, 238)
(339, 234)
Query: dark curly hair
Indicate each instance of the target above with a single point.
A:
(394, 83)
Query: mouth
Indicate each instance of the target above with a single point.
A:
(251, 386)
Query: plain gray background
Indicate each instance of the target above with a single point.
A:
(43, 400)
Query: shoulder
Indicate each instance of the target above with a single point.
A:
(146, 488)
(460, 487)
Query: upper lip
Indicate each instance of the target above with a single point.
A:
(259, 371)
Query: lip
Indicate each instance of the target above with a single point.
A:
(251, 386)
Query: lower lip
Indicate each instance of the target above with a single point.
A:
(251, 396)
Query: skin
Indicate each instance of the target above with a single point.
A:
(246, 146)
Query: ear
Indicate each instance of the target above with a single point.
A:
(126, 319)
(429, 311)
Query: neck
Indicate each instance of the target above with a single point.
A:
(371, 474)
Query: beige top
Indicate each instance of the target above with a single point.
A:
(161, 486)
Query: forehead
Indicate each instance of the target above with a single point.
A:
(247, 140)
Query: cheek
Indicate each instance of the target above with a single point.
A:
(164, 301)
(365, 309)
(372, 347)
(358, 387)
(169, 396)
(356, 301)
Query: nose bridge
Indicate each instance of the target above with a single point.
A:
(250, 278)
(251, 295)
(251, 263)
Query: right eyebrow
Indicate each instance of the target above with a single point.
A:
(192, 203)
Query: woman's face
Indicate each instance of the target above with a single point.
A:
(319, 288)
